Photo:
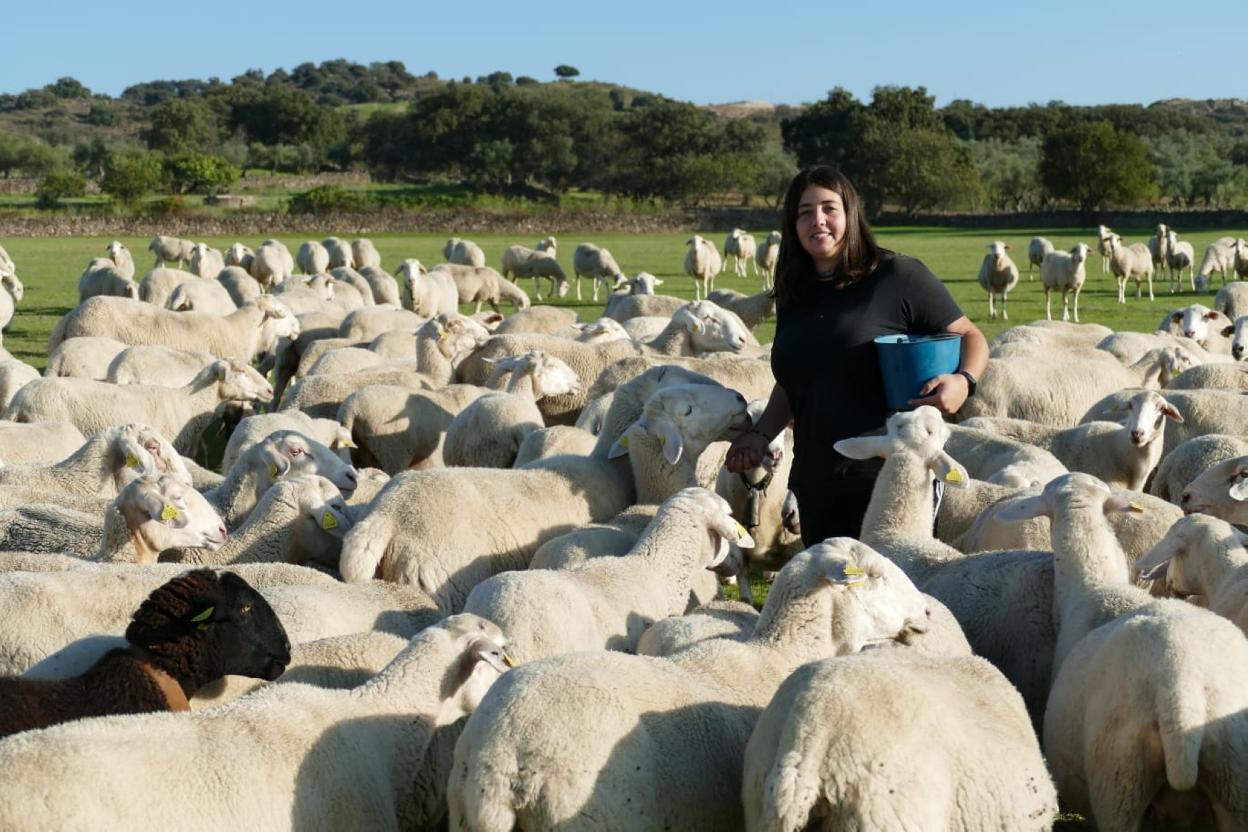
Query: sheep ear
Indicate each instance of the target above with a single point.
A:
(221, 369)
(863, 447)
(619, 447)
(1155, 563)
(949, 470)
(1124, 505)
(1239, 489)
(1228, 331)
(728, 529)
(845, 574)
(695, 326)
(1171, 412)
(136, 457)
(671, 442)
(203, 618)
(1025, 509)
(150, 501)
(276, 461)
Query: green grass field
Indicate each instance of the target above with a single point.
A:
(49, 268)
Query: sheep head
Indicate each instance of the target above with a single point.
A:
(1146, 415)
(163, 513)
(921, 432)
(688, 417)
(712, 328)
(286, 454)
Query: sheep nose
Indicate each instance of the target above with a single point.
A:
(1137, 436)
(1189, 333)
(223, 532)
(1237, 351)
(353, 475)
(1185, 499)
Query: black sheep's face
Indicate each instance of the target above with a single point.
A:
(252, 639)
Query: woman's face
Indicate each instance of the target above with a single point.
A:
(821, 225)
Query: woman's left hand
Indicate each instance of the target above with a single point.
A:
(946, 393)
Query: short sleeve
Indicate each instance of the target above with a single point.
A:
(925, 301)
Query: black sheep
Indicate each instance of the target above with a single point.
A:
(191, 631)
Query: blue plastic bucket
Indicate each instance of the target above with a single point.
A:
(907, 362)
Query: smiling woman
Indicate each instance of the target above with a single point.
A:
(836, 291)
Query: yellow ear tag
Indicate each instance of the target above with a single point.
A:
(741, 531)
(347, 443)
(132, 461)
(697, 327)
(272, 471)
(624, 441)
(954, 476)
(442, 333)
(329, 522)
(202, 618)
(1136, 508)
(854, 575)
(662, 441)
(168, 513)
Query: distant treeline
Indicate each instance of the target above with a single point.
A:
(518, 136)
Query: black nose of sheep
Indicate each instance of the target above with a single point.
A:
(260, 647)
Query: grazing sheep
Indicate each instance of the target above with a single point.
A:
(170, 248)
(828, 751)
(1219, 257)
(998, 274)
(767, 257)
(1232, 300)
(312, 258)
(1184, 463)
(240, 256)
(289, 755)
(207, 297)
(381, 284)
(181, 413)
(751, 309)
(364, 253)
(488, 432)
(244, 334)
(463, 252)
(206, 262)
(158, 284)
(159, 366)
(702, 263)
(340, 253)
(481, 284)
(239, 284)
(1133, 263)
(272, 264)
(102, 277)
(668, 735)
(192, 631)
(598, 265)
(1202, 557)
(1159, 247)
(1063, 271)
(1179, 256)
(519, 262)
(1036, 251)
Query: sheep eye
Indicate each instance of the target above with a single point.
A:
(689, 410)
(245, 609)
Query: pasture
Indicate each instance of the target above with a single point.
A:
(49, 268)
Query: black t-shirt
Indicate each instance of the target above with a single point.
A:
(824, 352)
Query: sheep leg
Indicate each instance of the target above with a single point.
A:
(1076, 306)
(1150, 288)
(1005, 314)
(1048, 303)
(477, 311)
(992, 312)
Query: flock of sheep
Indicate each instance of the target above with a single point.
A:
(1066, 271)
(485, 554)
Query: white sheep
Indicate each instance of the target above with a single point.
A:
(608, 602)
(553, 320)
(1183, 463)
(702, 263)
(364, 747)
(206, 262)
(239, 255)
(40, 443)
(1159, 247)
(1218, 491)
(340, 253)
(121, 258)
(427, 293)
(518, 262)
(481, 284)
(1232, 299)
(1103, 236)
(364, 253)
(1037, 248)
(102, 277)
(463, 252)
(1201, 324)
(488, 432)
(207, 297)
(1219, 257)
(621, 307)
(767, 257)
(1130, 263)
(241, 286)
(383, 287)
(751, 309)
(667, 734)
(1179, 256)
(596, 263)
(741, 246)
(312, 258)
(251, 430)
(1204, 557)
(272, 264)
(1064, 272)
(170, 248)
(1203, 412)
(829, 750)
(998, 274)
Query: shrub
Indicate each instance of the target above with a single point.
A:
(326, 199)
(58, 185)
(130, 175)
(200, 173)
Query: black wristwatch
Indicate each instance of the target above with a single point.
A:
(971, 384)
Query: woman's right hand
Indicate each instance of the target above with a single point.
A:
(746, 452)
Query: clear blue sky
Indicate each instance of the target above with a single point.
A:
(997, 53)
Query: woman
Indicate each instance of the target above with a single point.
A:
(836, 290)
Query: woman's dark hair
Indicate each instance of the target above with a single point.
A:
(795, 270)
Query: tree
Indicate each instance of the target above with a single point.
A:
(1094, 165)
(825, 133)
(58, 185)
(926, 169)
(200, 173)
(91, 157)
(181, 124)
(566, 72)
(68, 88)
(131, 175)
(1009, 172)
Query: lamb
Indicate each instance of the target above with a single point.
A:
(481, 284)
(740, 245)
(1037, 249)
(1204, 557)
(603, 329)
(1159, 247)
(550, 320)
(817, 755)
(1219, 257)
(41, 443)
(364, 254)
(1203, 412)
(1181, 465)
(239, 284)
(598, 265)
(272, 264)
(609, 602)
(193, 630)
(463, 252)
(767, 257)
(181, 413)
(562, 492)
(240, 256)
(206, 262)
(1232, 300)
(751, 309)
(1001, 460)
(488, 432)
(376, 734)
(1179, 256)
(102, 277)
(427, 293)
(14, 375)
(518, 262)
(159, 366)
(381, 284)
(240, 335)
(1201, 324)
(1122, 455)
(1149, 696)
(253, 429)
(1063, 271)
(312, 258)
(1103, 237)
(554, 441)
(170, 248)
(158, 284)
(622, 307)
(350, 288)
(631, 715)
(340, 253)
(1026, 387)
(205, 296)
(998, 274)
(1218, 491)
(121, 258)
(702, 263)
(1133, 263)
